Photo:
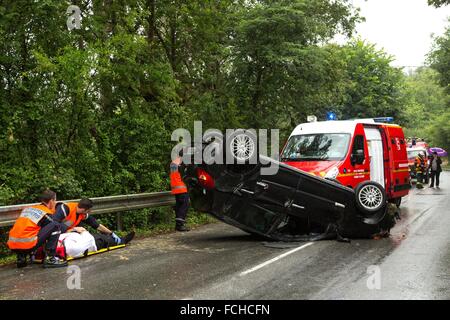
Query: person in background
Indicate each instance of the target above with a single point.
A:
(179, 189)
(34, 228)
(426, 174)
(435, 169)
(420, 170)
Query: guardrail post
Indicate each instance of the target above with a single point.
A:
(119, 221)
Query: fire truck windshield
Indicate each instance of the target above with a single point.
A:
(316, 147)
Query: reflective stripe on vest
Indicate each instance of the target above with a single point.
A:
(14, 239)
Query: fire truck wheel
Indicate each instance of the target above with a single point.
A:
(370, 196)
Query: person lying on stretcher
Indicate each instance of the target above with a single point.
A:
(71, 214)
(78, 244)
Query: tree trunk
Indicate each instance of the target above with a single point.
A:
(151, 19)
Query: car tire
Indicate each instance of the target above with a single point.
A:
(370, 196)
(242, 145)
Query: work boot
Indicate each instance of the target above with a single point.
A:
(181, 227)
(21, 260)
(54, 262)
(127, 238)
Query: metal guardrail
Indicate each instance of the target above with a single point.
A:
(102, 205)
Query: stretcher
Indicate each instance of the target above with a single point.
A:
(97, 252)
(86, 254)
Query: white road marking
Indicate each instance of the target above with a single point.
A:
(259, 266)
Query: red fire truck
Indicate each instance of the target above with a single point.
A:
(355, 153)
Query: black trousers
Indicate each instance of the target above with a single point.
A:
(49, 234)
(432, 175)
(104, 241)
(419, 176)
(181, 207)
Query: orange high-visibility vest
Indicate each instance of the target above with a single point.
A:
(72, 219)
(23, 234)
(177, 185)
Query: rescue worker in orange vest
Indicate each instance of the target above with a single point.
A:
(35, 227)
(179, 189)
(71, 214)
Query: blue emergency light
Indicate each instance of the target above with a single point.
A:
(331, 116)
(384, 119)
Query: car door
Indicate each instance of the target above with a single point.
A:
(375, 146)
(260, 201)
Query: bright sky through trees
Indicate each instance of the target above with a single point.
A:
(402, 27)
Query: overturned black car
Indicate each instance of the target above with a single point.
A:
(290, 205)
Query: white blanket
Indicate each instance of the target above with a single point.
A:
(77, 243)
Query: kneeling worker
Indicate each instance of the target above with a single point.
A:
(71, 214)
(33, 228)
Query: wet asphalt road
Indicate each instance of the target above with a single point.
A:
(218, 261)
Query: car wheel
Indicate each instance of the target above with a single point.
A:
(243, 146)
(370, 196)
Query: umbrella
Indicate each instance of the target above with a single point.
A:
(440, 152)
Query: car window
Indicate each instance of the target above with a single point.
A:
(358, 144)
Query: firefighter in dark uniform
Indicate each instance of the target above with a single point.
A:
(420, 170)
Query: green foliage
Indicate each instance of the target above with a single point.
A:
(438, 3)
(426, 100)
(426, 109)
(439, 58)
(280, 69)
(440, 131)
(82, 115)
(373, 87)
